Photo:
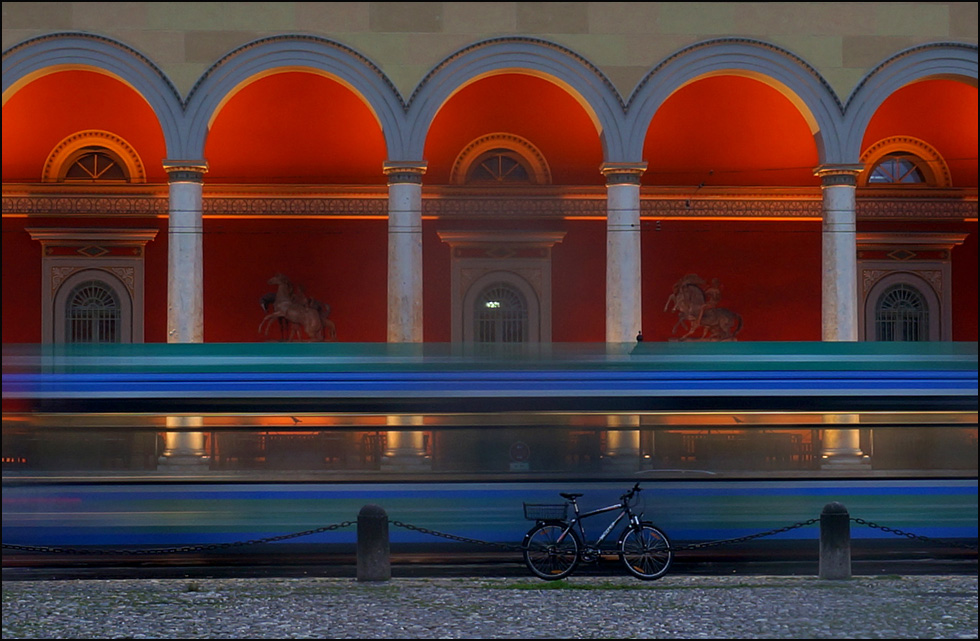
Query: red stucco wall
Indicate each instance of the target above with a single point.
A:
(769, 271)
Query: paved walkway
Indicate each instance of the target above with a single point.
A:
(675, 607)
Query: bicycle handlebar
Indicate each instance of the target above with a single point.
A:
(631, 493)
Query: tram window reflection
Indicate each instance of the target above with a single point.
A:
(573, 446)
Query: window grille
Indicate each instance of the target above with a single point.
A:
(93, 314)
(901, 315)
(897, 169)
(95, 164)
(499, 166)
(501, 315)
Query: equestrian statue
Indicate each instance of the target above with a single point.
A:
(696, 304)
(296, 313)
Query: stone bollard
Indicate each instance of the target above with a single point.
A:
(835, 542)
(373, 563)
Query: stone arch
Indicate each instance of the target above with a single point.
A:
(52, 53)
(942, 60)
(539, 58)
(776, 67)
(268, 56)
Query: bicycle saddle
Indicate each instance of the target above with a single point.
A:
(570, 497)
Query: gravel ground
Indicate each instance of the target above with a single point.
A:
(675, 607)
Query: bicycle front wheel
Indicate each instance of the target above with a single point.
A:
(646, 552)
(551, 550)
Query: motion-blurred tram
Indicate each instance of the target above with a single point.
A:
(232, 448)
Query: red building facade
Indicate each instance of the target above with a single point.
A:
(516, 175)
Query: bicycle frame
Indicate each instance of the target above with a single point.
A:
(576, 521)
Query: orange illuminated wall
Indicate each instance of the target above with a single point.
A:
(728, 131)
(769, 272)
(942, 113)
(298, 128)
(533, 108)
(21, 284)
(340, 262)
(55, 106)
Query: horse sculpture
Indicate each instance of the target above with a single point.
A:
(696, 304)
(294, 310)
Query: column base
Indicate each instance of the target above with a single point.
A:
(846, 462)
(406, 463)
(188, 463)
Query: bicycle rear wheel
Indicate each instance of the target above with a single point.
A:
(645, 551)
(548, 554)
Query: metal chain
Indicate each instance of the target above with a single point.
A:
(518, 548)
(707, 544)
(910, 535)
(187, 548)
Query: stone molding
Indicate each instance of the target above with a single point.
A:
(439, 203)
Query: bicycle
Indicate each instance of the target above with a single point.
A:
(555, 546)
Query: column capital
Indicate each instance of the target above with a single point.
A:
(405, 171)
(623, 173)
(839, 175)
(185, 170)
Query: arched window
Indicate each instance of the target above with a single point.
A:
(901, 314)
(499, 166)
(897, 168)
(903, 162)
(500, 315)
(500, 159)
(93, 314)
(96, 164)
(93, 156)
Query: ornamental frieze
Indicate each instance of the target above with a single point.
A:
(480, 206)
(909, 209)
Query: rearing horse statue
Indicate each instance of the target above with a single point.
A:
(696, 305)
(285, 307)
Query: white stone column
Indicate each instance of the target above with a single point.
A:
(404, 251)
(185, 277)
(622, 450)
(405, 449)
(841, 448)
(183, 450)
(839, 277)
(624, 318)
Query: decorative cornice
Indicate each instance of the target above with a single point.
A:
(480, 238)
(294, 207)
(82, 237)
(910, 240)
(523, 204)
(83, 206)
